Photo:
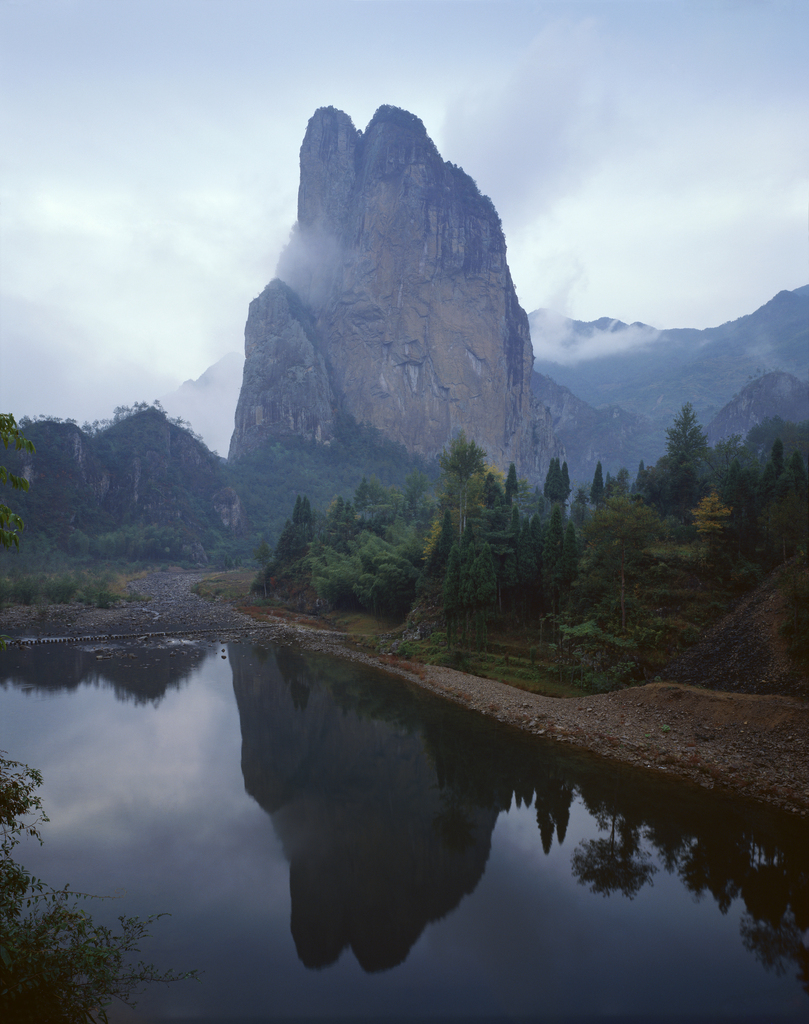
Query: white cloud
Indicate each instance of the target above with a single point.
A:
(556, 338)
(648, 161)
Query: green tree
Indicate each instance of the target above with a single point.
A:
(578, 508)
(527, 569)
(686, 447)
(557, 483)
(711, 518)
(568, 567)
(796, 474)
(511, 484)
(452, 592)
(10, 523)
(616, 535)
(460, 463)
(56, 964)
(777, 456)
(417, 504)
(552, 548)
(597, 487)
(263, 555)
(439, 553)
(484, 590)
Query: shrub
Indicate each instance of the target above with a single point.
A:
(26, 590)
(61, 589)
(56, 964)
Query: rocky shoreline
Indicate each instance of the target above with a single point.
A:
(754, 745)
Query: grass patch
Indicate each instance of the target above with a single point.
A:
(231, 585)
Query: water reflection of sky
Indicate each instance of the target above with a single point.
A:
(149, 800)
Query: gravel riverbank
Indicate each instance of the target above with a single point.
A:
(752, 744)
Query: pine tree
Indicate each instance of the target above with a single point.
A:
(484, 587)
(570, 559)
(445, 541)
(552, 556)
(578, 508)
(597, 488)
(553, 482)
(467, 583)
(526, 566)
(777, 456)
(565, 488)
(686, 447)
(452, 592)
(511, 484)
(307, 520)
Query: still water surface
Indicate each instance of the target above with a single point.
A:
(329, 841)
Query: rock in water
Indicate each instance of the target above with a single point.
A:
(407, 316)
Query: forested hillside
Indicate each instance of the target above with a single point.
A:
(143, 487)
(617, 577)
(609, 580)
(138, 487)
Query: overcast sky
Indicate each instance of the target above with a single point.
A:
(649, 161)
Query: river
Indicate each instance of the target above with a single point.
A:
(330, 841)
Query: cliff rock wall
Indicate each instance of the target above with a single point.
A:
(417, 329)
(773, 394)
(285, 386)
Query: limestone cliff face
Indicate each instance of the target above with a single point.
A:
(402, 263)
(285, 388)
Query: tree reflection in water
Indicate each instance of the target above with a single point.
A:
(378, 819)
(385, 799)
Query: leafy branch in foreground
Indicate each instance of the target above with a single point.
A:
(10, 522)
(56, 963)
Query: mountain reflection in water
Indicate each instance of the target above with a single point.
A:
(387, 807)
(377, 849)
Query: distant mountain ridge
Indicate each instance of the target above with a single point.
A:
(704, 367)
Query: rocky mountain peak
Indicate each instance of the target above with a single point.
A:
(401, 263)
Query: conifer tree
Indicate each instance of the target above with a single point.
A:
(777, 456)
(686, 447)
(578, 508)
(564, 492)
(526, 566)
(536, 543)
(452, 592)
(553, 481)
(570, 559)
(467, 584)
(511, 484)
(597, 488)
(484, 590)
(444, 545)
(552, 556)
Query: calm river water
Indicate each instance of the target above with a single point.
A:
(332, 842)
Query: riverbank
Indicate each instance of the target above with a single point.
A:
(753, 745)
